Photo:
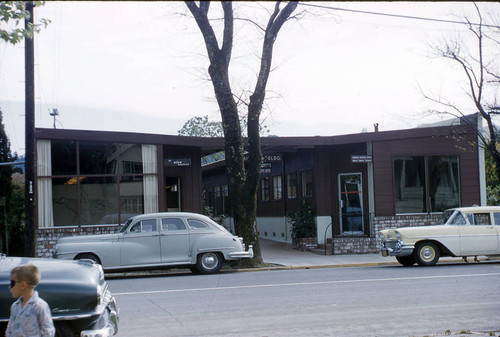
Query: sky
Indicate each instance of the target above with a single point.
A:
(142, 67)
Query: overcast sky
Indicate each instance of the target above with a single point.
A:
(141, 67)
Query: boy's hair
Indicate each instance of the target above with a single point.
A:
(26, 273)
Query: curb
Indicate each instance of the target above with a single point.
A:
(184, 271)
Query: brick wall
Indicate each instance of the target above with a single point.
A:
(48, 236)
(370, 245)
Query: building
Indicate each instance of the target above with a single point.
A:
(90, 181)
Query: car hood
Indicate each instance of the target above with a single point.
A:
(69, 287)
(90, 238)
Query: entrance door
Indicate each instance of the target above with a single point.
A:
(173, 194)
(351, 203)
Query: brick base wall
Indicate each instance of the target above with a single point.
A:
(48, 236)
(370, 245)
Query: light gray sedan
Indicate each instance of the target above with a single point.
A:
(159, 240)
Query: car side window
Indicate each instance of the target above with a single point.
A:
(496, 216)
(172, 224)
(148, 225)
(197, 224)
(479, 219)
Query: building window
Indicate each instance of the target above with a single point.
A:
(307, 184)
(277, 190)
(225, 199)
(291, 185)
(426, 184)
(218, 200)
(111, 182)
(264, 189)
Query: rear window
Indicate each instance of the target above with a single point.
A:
(197, 224)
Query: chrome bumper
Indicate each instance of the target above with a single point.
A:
(395, 248)
(242, 255)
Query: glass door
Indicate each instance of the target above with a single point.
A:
(173, 194)
(351, 203)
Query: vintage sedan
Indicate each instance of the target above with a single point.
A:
(159, 240)
(466, 231)
(77, 294)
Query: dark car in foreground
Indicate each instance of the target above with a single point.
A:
(78, 296)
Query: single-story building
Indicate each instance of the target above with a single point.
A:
(357, 184)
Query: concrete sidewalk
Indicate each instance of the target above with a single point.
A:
(282, 254)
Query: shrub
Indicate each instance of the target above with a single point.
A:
(302, 222)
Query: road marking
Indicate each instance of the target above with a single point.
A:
(302, 284)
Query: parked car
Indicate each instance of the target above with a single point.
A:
(467, 231)
(78, 296)
(159, 240)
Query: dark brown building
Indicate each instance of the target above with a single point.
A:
(356, 184)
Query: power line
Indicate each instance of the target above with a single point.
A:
(398, 15)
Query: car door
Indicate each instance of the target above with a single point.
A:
(174, 241)
(479, 236)
(141, 244)
(496, 217)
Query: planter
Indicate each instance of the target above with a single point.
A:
(304, 244)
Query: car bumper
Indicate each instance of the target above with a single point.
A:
(396, 248)
(243, 254)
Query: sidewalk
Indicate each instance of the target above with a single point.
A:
(282, 254)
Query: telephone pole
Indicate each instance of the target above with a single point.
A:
(29, 188)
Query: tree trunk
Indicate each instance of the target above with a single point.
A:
(242, 183)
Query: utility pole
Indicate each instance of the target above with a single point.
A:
(29, 186)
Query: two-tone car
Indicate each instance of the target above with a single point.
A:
(76, 292)
(466, 231)
(147, 241)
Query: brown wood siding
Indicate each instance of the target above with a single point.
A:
(384, 153)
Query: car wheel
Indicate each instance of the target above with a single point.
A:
(88, 256)
(406, 261)
(426, 253)
(209, 263)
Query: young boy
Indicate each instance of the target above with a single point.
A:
(29, 315)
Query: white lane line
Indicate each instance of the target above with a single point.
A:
(302, 284)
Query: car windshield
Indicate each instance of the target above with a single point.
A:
(125, 225)
(453, 217)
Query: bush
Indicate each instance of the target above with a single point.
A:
(302, 221)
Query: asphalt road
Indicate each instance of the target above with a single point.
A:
(356, 301)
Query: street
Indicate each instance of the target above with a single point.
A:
(357, 301)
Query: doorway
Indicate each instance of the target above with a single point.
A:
(351, 203)
(173, 194)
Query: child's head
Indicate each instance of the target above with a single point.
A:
(26, 273)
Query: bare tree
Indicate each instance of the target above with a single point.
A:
(242, 182)
(480, 68)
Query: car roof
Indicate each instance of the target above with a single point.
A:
(170, 214)
(477, 209)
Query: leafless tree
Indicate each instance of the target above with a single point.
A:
(480, 68)
(242, 182)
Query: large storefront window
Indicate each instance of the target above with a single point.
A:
(111, 183)
(426, 184)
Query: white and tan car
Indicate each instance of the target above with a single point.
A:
(159, 240)
(467, 231)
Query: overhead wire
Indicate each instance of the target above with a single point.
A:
(400, 16)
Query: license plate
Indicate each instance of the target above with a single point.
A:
(384, 253)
